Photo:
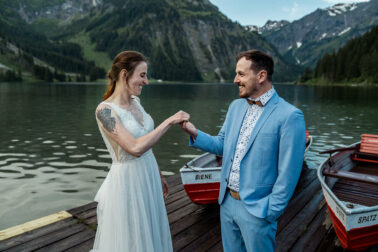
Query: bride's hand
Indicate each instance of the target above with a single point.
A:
(164, 185)
(179, 117)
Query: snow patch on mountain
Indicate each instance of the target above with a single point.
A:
(344, 31)
(340, 9)
(269, 26)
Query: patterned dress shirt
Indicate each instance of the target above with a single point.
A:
(253, 114)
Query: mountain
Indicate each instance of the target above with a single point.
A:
(269, 26)
(306, 40)
(23, 48)
(186, 40)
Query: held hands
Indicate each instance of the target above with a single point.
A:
(179, 117)
(189, 128)
(182, 118)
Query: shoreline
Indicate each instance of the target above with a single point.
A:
(155, 82)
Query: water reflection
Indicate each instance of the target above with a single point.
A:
(52, 156)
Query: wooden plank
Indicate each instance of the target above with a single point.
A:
(28, 226)
(189, 235)
(371, 179)
(50, 238)
(289, 235)
(91, 221)
(84, 246)
(178, 204)
(216, 248)
(81, 209)
(307, 176)
(197, 227)
(88, 214)
(296, 205)
(355, 147)
(366, 168)
(369, 135)
(314, 234)
(69, 242)
(330, 242)
(182, 212)
(176, 188)
(206, 241)
(173, 197)
(193, 218)
(34, 234)
(173, 180)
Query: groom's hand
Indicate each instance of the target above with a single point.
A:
(189, 128)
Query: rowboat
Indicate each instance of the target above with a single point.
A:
(201, 176)
(349, 181)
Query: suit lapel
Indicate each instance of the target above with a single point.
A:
(238, 121)
(270, 106)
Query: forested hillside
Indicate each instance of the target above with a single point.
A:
(355, 62)
(24, 49)
(186, 40)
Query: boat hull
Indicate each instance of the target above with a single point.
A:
(355, 224)
(201, 179)
(205, 193)
(357, 231)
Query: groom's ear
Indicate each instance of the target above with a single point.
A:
(262, 76)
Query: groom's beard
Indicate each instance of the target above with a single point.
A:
(247, 91)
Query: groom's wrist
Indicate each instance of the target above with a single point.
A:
(194, 137)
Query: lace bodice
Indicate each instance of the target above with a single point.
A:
(131, 124)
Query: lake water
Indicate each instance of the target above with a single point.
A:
(52, 157)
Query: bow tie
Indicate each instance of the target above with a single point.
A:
(258, 103)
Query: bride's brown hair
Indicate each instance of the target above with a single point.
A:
(127, 60)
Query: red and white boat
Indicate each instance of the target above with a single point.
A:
(349, 180)
(201, 176)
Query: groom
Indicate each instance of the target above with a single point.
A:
(262, 142)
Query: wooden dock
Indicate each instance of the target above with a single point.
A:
(304, 226)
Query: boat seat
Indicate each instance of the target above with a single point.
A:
(368, 151)
(350, 175)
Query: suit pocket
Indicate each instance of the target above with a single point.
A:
(263, 190)
(268, 159)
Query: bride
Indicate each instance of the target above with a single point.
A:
(131, 212)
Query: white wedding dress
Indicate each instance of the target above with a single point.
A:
(131, 212)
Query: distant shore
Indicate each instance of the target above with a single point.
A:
(163, 82)
(317, 82)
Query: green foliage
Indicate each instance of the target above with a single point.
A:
(90, 53)
(46, 26)
(307, 75)
(170, 57)
(228, 73)
(357, 60)
(157, 28)
(10, 76)
(62, 55)
(43, 73)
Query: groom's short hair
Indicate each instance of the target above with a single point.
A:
(260, 61)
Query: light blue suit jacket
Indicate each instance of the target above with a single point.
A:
(271, 166)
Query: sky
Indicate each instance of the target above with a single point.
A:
(257, 12)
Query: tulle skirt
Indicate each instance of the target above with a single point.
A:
(131, 212)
